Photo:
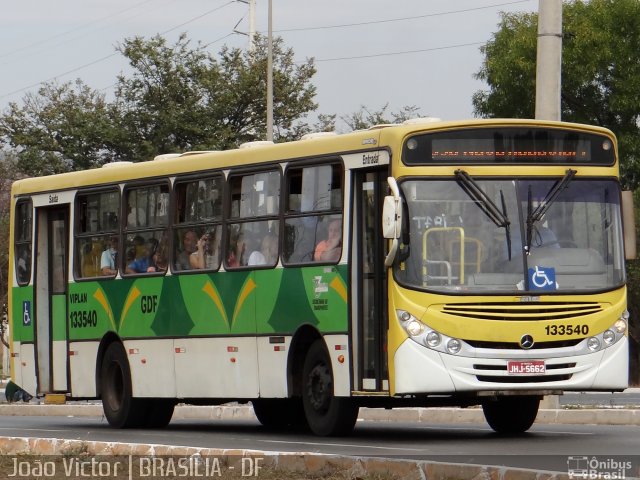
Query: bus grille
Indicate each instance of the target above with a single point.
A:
(521, 311)
(515, 346)
(531, 379)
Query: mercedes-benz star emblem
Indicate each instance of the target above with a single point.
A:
(526, 342)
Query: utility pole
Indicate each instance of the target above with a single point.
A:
(549, 60)
(548, 85)
(270, 77)
(252, 25)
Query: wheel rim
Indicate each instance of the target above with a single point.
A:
(114, 387)
(319, 388)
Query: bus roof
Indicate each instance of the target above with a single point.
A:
(319, 145)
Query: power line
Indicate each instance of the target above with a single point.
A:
(116, 53)
(62, 34)
(59, 75)
(413, 17)
(198, 17)
(406, 52)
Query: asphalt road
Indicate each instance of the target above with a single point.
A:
(545, 447)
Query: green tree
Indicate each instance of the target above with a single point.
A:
(600, 71)
(181, 98)
(177, 98)
(364, 118)
(59, 128)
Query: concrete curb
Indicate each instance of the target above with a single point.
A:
(298, 463)
(593, 416)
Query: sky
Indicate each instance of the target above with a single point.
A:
(368, 52)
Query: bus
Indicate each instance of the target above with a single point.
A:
(431, 263)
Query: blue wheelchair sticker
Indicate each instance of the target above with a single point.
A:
(542, 278)
(26, 313)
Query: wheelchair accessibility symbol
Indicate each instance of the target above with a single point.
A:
(542, 278)
(26, 313)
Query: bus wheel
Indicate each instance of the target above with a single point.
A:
(120, 408)
(159, 412)
(511, 414)
(326, 414)
(280, 413)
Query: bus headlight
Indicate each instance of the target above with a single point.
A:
(620, 326)
(594, 344)
(453, 346)
(427, 336)
(414, 328)
(609, 337)
(433, 339)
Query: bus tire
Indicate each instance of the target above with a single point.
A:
(327, 415)
(120, 408)
(280, 413)
(159, 412)
(511, 415)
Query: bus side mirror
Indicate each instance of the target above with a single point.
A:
(392, 220)
(629, 225)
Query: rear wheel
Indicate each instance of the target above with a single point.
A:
(158, 412)
(279, 413)
(120, 408)
(326, 414)
(511, 415)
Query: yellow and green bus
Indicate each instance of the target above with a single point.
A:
(431, 263)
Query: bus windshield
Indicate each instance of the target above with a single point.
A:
(478, 235)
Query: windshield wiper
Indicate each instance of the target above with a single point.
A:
(538, 214)
(490, 209)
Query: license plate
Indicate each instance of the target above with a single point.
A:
(530, 367)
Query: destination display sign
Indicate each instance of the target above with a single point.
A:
(509, 145)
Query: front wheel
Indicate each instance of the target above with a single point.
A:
(326, 414)
(280, 413)
(511, 415)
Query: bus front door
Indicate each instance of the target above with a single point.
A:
(369, 315)
(52, 254)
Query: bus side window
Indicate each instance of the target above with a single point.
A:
(197, 224)
(252, 238)
(95, 230)
(146, 235)
(22, 246)
(313, 202)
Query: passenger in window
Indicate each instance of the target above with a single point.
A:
(237, 252)
(161, 257)
(329, 250)
(189, 246)
(108, 261)
(206, 254)
(136, 250)
(145, 263)
(268, 253)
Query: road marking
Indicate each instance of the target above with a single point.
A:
(402, 449)
(35, 429)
